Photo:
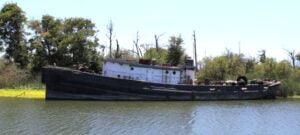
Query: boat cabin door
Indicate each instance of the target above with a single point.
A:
(166, 77)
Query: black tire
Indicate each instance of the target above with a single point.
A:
(242, 80)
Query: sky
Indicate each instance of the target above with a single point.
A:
(273, 25)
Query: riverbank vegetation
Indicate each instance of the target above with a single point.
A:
(72, 41)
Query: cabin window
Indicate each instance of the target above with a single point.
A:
(167, 72)
(174, 72)
(131, 68)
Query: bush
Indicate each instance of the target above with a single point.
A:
(10, 75)
(230, 65)
(13, 77)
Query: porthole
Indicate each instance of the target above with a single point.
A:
(131, 68)
(167, 72)
(119, 76)
(174, 72)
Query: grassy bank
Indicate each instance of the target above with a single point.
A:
(295, 97)
(23, 93)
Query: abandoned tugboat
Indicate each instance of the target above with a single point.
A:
(143, 80)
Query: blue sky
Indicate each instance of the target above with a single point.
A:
(273, 25)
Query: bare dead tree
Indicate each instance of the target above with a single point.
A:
(136, 43)
(292, 56)
(145, 47)
(156, 37)
(109, 35)
(117, 54)
(195, 50)
(140, 51)
(102, 47)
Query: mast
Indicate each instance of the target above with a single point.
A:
(195, 51)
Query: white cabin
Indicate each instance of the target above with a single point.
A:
(150, 73)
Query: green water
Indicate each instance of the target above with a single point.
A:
(268, 117)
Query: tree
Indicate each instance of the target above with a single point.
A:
(270, 66)
(136, 44)
(156, 37)
(159, 56)
(110, 30)
(292, 56)
(117, 53)
(44, 45)
(79, 42)
(250, 64)
(127, 55)
(214, 68)
(262, 56)
(12, 34)
(175, 51)
(298, 56)
(283, 69)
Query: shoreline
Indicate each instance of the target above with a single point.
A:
(23, 93)
(40, 94)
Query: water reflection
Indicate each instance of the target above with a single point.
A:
(21, 116)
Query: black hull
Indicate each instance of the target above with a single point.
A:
(67, 84)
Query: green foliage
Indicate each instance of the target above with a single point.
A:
(10, 76)
(236, 65)
(124, 54)
(227, 66)
(214, 68)
(290, 85)
(44, 44)
(262, 56)
(270, 68)
(283, 69)
(159, 55)
(230, 65)
(79, 41)
(70, 41)
(64, 42)
(175, 51)
(250, 65)
(2, 63)
(298, 56)
(12, 20)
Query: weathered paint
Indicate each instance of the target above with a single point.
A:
(63, 83)
(147, 73)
